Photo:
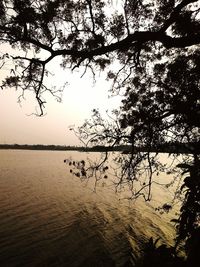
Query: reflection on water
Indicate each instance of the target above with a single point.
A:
(48, 218)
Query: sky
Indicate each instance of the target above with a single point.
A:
(80, 96)
(78, 100)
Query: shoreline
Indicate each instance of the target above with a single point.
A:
(178, 148)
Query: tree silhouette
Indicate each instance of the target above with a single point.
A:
(92, 34)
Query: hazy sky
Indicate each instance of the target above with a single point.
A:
(79, 98)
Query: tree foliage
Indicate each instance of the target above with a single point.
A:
(92, 34)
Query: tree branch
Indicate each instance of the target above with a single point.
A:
(130, 41)
(175, 14)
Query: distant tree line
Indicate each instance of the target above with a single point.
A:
(126, 149)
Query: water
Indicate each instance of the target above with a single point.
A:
(49, 218)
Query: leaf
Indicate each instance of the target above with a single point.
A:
(184, 166)
(175, 220)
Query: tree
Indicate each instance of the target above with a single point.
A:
(92, 34)
(150, 50)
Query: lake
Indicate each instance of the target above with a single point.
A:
(48, 217)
